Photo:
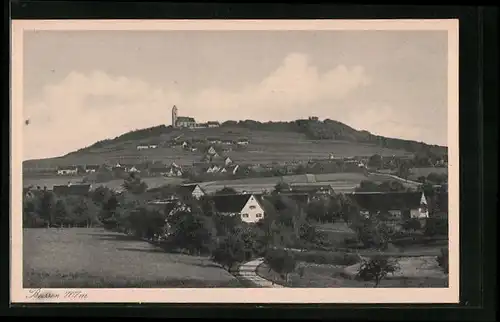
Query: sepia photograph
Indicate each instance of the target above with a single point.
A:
(315, 157)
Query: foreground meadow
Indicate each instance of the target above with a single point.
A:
(94, 258)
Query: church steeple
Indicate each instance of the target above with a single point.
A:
(174, 116)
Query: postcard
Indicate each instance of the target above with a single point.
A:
(180, 161)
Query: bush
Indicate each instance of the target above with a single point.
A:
(443, 260)
(323, 257)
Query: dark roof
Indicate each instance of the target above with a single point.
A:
(188, 189)
(299, 197)
(230, 202)
(387, 201)
(74, 189)
(92, 166)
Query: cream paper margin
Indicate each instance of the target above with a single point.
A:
(221, 295)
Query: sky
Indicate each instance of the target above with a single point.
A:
(80, 87)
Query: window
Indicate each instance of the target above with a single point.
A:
(252, 207)
(244, 215)
(259, 215)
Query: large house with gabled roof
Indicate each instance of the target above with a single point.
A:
(247, 206)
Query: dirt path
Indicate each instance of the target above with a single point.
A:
(248, 272)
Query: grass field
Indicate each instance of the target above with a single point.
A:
(264, 147)
(49, 182)
(341, 182)
(323, 276)
(94, 258)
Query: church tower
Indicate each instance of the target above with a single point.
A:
(174, 116)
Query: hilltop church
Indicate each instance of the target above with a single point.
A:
(187, 121)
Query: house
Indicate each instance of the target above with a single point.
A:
(242, 142)
(228, 161)
(174, 170)
(230, 169)
(142, 147)
(67, 171)
(398, 205)
(132, 169)
(71, 189)
(153, 146)
(185, 144)
(247, 206)
(213, 169)
(214, 141)
(227, 142)
(91, 168)
(212, 124)
(191, 190)
(185, 121)
(211, 151)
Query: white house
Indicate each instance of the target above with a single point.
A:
(242, 142)
(213, 169)
(192, 190)
(133, 169)
(67, 171)
(211, 151)
(153, 146)
(142, 147)
(247, 206)
(228, 161)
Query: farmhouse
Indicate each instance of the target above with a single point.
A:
(398, 205)
(212, 124)
(91, 168)
(67, 171)
(191, 190)
(242, 142)
(71, 189)
(246, 206)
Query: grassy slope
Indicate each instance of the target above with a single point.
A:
(95, 258)
(264, 147)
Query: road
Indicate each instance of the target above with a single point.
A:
(248, 272)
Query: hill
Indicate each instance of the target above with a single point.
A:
(269, 142)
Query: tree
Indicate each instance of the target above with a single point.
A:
(375, 161)
(436, 226)
(443, 260)
(372, 232)
(281, 261)
(134, 184)
(281, 187)
(376, 269)
(46, 206)
(412, 224)
(192, 231)
(367, 186)
(60, 214)
(404, 170)
(85, 212)
(229, 252)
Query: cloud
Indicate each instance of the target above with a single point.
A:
(86, 107)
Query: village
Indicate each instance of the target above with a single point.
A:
(323, 204)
